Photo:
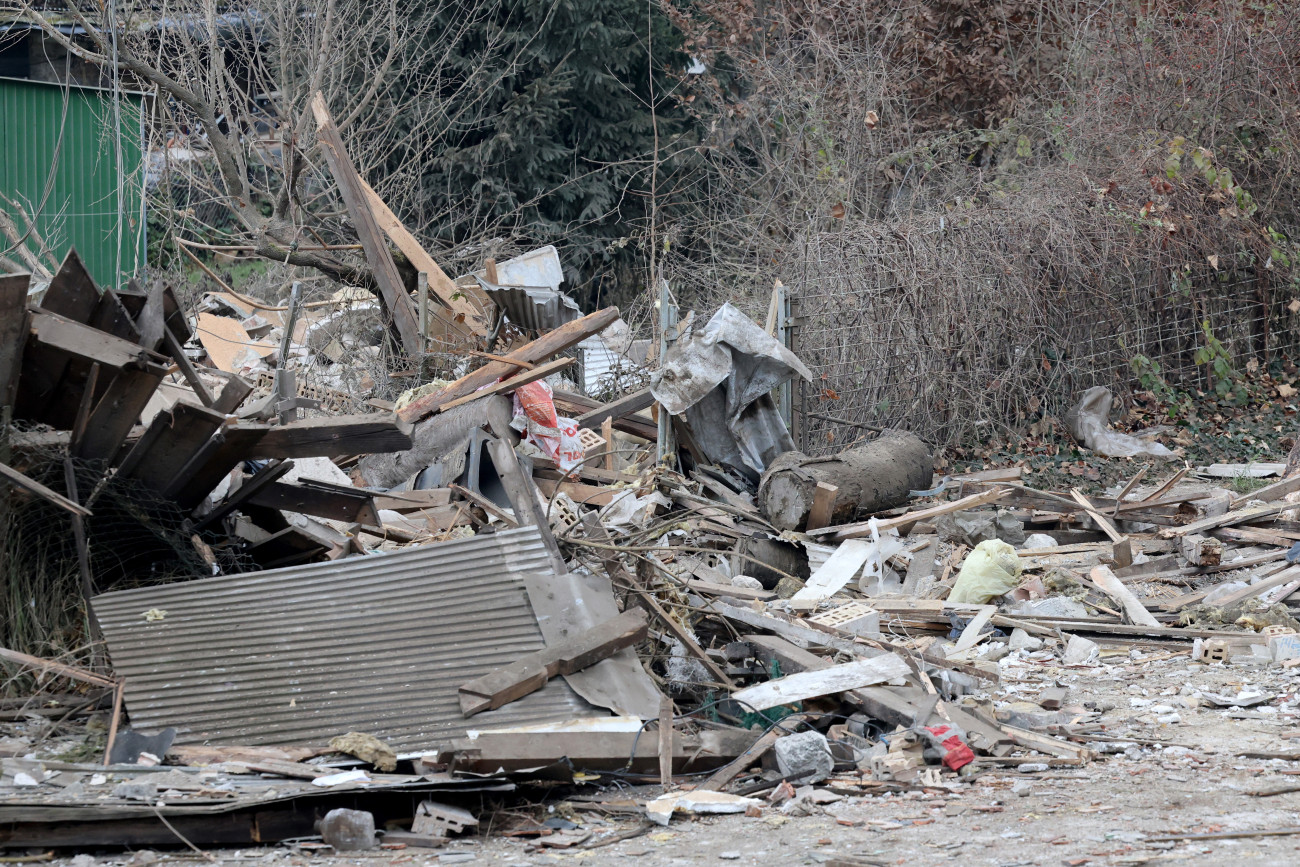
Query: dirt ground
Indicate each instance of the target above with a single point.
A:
(1197, 780)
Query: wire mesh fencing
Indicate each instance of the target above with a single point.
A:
(960, 340)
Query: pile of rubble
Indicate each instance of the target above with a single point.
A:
(500, 584)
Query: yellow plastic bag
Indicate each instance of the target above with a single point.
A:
(991, 570)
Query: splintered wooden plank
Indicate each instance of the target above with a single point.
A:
(539, 350)
(1121, 546)
(118, 411)
(237, 441)
(331, 437)
(188, 428)
(827, 681)
(320, 500)
(72, 292)
(1228, 519)
(1115, 589)
(81, 341)
(854, 531)
(530, 673)
(467, 317)
(13, 477)
(507, 386)
(13, 332)
(618, 409)
(387, 279)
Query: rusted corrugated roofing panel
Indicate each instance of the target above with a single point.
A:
(377, 644)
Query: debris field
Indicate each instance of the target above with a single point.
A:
(509, 616)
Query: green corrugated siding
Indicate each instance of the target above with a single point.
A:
(81, 209)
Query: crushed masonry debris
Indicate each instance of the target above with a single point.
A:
(364, 611)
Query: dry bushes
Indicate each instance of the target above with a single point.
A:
(963, 270)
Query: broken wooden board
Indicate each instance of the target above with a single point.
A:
(226, 340)
(1238, 516)
(334, 436)
(14, 325)
(392, 291)
(1122, 546)
(530, 673)
(321, 500)
(812, 684)
(467, 317)
(584, 495)
(158, 458)
(549, 344)
(197, 482)
(1115, 589)
(17, 479)
(508, 385)
(854, 531)
(117, 412)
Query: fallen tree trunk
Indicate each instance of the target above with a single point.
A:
(868, 478)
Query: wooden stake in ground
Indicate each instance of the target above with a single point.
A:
(665, 741)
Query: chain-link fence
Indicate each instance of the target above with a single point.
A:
(957, 354)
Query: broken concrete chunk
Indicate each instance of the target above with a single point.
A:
(348, 830)
(1081, 651)
(1053, 606)
(1021, 640)
(805, 756)
(136, 790)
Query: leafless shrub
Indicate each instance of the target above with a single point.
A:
(961, 280)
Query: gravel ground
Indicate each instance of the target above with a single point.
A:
(1198, 781)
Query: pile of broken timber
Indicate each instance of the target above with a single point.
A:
(80, 371)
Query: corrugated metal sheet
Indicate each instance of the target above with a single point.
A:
(63, 136)
(378, 644)
(535, 308)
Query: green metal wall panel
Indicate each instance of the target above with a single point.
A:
(59, 139)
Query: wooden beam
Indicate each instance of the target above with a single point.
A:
(334, 502)
(728, 772)
(186, 428)
(490, 507)
(118, 411)
(617, 409)
(177, 352)
(549, 344)
(465, 316)
(389, 282)
(333, 436)
(571, 403)
(506, 386)
(14, 327)
(269, 474)
(17, 479)
(1121, 546)
(530, 673)
(854, 531)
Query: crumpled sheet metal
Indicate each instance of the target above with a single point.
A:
(536, 308)
(720, 378)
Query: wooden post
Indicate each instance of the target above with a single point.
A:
(422, 291)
